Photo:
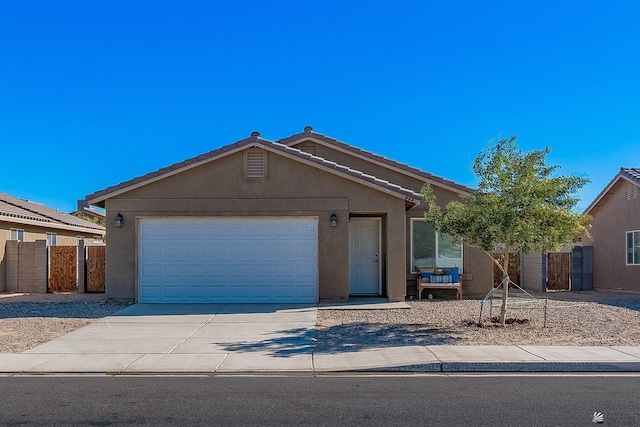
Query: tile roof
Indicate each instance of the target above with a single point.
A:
(255, 140)
(308, 133)
(410, 195)
(630, 174)
(13, 208)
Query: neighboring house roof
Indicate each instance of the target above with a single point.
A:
(90, 212)
(19, 211)
(309, 134)
(255, 140)
(627, 174)
(85, 208)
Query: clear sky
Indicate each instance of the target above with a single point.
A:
(96, 93)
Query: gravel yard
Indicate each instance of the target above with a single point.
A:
(599, 319)
(28, 320)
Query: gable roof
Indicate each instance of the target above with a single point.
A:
(309, 135)
(19, 211)
(254, 141)
(628, 174)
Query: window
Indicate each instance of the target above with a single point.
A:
(97, 239)
(430, 249)
(17, 234)
(52, 239)
(633, 247)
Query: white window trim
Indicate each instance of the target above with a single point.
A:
(413, 269)
(52, 239)
(18, 232)
(626, 247)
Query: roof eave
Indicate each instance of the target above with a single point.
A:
(52, 225)
(327, 142)
(412, 198)
(99, 197)
(607, 190)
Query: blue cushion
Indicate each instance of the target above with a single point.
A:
(426, 274)
(453, 272)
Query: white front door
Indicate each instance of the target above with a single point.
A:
(364, 256)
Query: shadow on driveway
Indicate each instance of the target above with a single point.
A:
(360, 336)
(289, 342)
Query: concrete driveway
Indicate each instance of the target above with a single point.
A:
(146, 338)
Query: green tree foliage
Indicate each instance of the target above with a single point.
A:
(92, 219)
(520, 206)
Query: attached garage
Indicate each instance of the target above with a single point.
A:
(228, 260)
(259, 221)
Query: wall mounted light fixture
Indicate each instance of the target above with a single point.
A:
(334, 220)
(119, 220)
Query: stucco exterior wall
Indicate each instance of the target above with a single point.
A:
(614, 216)
(291, 189)
(478, 278)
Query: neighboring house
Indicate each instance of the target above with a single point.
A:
(615, 233)
(87, 212)
(301, 219)
(27, 221)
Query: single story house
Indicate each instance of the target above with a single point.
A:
(301, 219)
(27, 221)
(615, 233)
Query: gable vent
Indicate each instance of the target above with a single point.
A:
(631, 192)
(308, 147)
(255, 164)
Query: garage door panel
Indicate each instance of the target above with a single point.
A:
(228, 260)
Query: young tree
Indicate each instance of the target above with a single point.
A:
(518, 207)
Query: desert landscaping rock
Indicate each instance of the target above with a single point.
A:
(28, 320)
(576, 319)
(600, 319)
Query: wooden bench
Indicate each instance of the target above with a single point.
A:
(439, 281)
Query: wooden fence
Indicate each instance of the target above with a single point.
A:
(67, 273)
(95, 270)
(63, 268)
(558, 271)
(514, 269)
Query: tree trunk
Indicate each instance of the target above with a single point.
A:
(505, 287)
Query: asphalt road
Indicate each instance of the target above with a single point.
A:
(434, 400)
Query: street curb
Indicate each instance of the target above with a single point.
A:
(540, 366)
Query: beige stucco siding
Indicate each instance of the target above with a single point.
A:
(477, 265)
(612, 218)
(292, 188)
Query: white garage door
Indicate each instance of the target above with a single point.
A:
(228, 260)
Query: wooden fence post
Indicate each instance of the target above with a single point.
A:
(81, 267)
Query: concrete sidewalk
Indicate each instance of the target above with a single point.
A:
(272, 338)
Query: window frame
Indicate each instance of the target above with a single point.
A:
(19, 234)
(631, 233)
(437, 243)
(52, 239)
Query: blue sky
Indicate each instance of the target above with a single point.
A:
(95, 93)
